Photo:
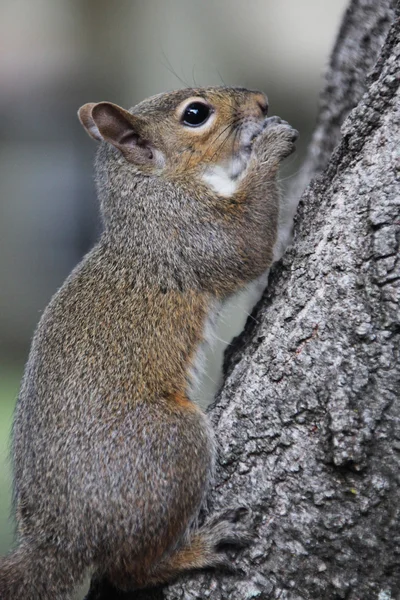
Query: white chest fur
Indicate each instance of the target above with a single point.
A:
(220, 181)
(199, 361)
(225, 177)
(224, 321)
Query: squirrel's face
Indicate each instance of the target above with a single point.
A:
(198, 130)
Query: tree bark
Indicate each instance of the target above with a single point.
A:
(308, 419)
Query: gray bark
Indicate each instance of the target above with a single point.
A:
(308, 419)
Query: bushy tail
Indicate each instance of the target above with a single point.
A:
(38, 574)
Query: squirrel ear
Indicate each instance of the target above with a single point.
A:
(85, 117)
(111, 123)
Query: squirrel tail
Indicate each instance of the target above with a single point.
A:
(31, 573)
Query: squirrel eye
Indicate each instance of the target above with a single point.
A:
(196, 114)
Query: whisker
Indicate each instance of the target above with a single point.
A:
(221, 144)
(170, 68)
(281, 179)
(194, 80)
(221, 340)
(245, 312)
(211, 143)
(220, 76)
(210, 378)
(233, 123)
(237, 132)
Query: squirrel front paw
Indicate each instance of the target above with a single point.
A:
(275, 142)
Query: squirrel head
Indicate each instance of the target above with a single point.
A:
(181, 131)
(167, 172)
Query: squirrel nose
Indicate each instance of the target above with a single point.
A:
(262, 102)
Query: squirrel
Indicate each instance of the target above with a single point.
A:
(112, 458)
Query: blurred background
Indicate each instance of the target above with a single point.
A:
(55, 55)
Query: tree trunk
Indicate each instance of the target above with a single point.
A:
(308, 419)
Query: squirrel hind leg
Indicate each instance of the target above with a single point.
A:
(204, 548)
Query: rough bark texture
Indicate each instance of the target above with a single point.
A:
(308, 419)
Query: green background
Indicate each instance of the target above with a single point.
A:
(9, 385)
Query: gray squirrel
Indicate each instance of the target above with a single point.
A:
(112, 458)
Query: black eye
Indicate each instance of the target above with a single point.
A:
(196, 114)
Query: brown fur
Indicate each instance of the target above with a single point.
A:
(112, 459)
